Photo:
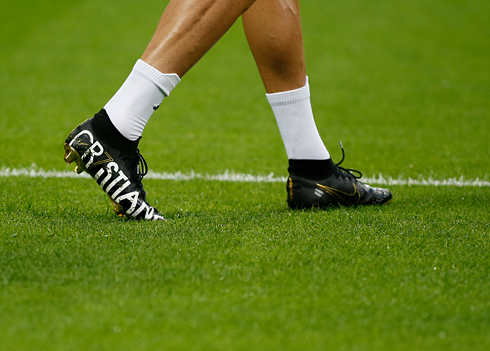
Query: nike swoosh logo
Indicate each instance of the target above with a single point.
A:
(107, 160)
(341, 194)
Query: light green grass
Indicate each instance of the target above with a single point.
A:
(243, 273)
(404, 85)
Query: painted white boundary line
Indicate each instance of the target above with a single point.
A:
(230, 176)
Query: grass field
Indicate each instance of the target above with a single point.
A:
(404, 85)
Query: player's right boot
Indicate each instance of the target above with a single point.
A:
(114, 163)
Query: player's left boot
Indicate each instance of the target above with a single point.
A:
(115, 164)
(323, 184)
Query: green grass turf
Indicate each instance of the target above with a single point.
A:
(229, 272)
(404, 85)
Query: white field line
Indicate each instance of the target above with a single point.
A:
(229, 176)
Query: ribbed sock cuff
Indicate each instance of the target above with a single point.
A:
(289, 97)
(165, 82)
(105, 130)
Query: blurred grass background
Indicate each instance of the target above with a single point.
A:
(404, 85)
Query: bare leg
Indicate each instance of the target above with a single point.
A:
(188, 29)
(106, 146)
(274, 33)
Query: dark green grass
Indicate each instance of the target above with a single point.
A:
(404, 85)
(243, 272)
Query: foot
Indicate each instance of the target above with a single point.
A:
(117, 170)
(331, 186)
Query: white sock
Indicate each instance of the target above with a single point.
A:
(294, 117)
(141, 94)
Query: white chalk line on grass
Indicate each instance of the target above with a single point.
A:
(229, 176)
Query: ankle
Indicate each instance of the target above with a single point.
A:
(312, 169)
(106, 131)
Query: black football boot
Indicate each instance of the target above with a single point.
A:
(322, 183)
(114, 162)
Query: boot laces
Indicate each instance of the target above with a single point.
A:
(141, 166)
(348, 171)
(137, 165)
